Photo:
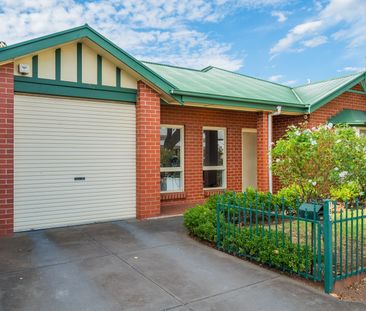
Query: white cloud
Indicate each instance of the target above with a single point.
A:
(344, 20)
(290, 82)
(281, 16)
(314, 42)
(275, 78)
(351, 69)
(154, 30)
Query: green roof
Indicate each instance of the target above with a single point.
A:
(349, 116)
(220, 82)
(209, 86)
(212, 81)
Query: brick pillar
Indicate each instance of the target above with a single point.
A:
(262, 151)
(147, 152)
(6, 149)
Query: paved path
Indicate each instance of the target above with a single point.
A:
(131, 265)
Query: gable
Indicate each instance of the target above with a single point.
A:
(61, 63)
(127, 69)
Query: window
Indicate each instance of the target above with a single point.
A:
(171, 158)
(214, 158)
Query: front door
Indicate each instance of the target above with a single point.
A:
(249, 158)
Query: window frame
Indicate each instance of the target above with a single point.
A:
(181, 167)
(361, 129)
(222, 168)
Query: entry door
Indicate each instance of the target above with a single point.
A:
(249, 160)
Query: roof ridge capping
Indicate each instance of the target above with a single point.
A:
(355, 74)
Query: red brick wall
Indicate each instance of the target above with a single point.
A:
(6, 149)
(194, 119)
(147, 152)
(346, 100)
(262, 151)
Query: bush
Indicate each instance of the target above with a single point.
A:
(201, 222)
(320, 159)
(347, 192)
(265, 249)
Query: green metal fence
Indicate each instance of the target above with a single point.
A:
(325, 246)
(348, 239)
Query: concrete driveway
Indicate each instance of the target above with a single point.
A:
(131, 265)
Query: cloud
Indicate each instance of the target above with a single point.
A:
(314, 42)
(290, 82)
(281, 16)
(162, 30)
(341, 20)
(351, 69)
(275, 78)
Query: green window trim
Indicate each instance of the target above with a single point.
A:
(72, 89)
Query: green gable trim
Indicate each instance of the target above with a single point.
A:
(27, 47)
(99, 69)
(357, 92)
(72, 89)
(337, 92)
(118, 77)
(79, 62)
(58, 64)
(35, 66)
(349, 116)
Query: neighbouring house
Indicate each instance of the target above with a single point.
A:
(88, 133)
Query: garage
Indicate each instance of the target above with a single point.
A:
(74, 161)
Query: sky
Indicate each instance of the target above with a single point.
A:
(289, 42)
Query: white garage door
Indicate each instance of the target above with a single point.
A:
(74, 162)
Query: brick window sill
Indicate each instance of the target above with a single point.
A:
(208, 193)
(172, 196)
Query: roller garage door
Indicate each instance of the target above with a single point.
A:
(74, 162)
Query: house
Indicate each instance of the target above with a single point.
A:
(88, 133)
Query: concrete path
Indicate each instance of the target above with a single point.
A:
(131, 265)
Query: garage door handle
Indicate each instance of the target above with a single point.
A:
(79, 178)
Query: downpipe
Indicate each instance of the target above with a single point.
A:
(270, 130)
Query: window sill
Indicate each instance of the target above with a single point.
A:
(209, 192)
(165, 196)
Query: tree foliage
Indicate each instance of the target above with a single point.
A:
(321, 161)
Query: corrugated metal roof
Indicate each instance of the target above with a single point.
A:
(314, 92)
(220, 82)
(349, 116)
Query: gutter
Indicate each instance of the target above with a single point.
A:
(232, 98)
(270, 130)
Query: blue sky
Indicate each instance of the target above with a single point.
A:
(283, 41)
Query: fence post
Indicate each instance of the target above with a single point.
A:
(328, 252)
(218, 223)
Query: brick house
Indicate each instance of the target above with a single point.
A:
(88, 133)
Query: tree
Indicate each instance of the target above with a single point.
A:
(320, 160)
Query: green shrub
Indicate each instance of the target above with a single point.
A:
(201, 222)
(346, 192)
(265, 249)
